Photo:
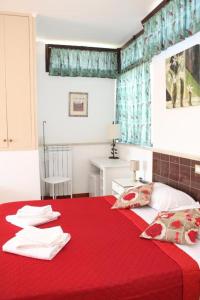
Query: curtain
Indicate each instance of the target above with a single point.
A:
(132, 54)
(83, 63)
(133, 105)
(152, 36)
(192, 16)
(174, 22)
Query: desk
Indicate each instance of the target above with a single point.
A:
(108, 169)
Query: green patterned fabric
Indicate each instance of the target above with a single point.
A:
(133, 107)
(133, 54)
(152, 36)
(174, 22)
(83, 63)
(192, 16)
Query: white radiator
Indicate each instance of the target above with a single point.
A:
(55, 160)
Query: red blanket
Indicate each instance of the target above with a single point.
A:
(105, 259)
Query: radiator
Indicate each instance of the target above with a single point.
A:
(55, 160)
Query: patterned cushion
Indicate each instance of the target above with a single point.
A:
(135, 197)
(179, 227)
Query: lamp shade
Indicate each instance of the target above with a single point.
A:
(113, 131)
(134, 165)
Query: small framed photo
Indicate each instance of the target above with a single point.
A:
(78, 104)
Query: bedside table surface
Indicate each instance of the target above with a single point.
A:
(127, 182)
(101, 163)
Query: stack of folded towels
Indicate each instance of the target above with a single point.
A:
(33, 216)
(37, 243)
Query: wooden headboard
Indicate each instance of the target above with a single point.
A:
(177, 172)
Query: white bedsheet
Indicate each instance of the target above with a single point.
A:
(148, 214)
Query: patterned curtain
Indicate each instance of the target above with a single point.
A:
(174, 22)
(192, 16)
(133, 111)
(83, 63)
(152, 37)
(133, 54)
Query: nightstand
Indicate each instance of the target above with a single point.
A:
(120, 184)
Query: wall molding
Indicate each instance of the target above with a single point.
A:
(137, 146)
(76, 144)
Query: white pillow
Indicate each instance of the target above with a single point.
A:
(191, 206)
(165, 197)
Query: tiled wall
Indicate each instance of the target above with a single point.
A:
(177, 172)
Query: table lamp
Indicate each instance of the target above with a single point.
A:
(113, 134)
(134, 166)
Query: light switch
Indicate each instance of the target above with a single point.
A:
(197, 169)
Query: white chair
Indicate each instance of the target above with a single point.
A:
(58, 170)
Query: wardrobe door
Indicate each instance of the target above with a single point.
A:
(17, 40)
(3, 118)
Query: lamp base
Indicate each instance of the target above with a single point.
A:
(113, 150)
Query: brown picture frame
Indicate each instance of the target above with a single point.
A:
(78, 104)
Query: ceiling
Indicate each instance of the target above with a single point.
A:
(108, 23)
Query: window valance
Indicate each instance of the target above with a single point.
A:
(174, 22)
(84, 63)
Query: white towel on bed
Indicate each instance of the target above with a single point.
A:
(31, 236)
(36, 251)
(31, 211)
(32, 220)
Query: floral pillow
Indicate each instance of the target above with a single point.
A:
(135, 197)
(179, 227)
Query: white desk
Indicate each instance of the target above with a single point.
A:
(108, 169)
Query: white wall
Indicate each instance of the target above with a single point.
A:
(19, 176)
(53, 103)
(60, 128)
(174, 130)
(144, 155)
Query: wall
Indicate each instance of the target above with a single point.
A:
(19, 176)
(173, 130)
(144, 155)
(53, 105)
(87, 135)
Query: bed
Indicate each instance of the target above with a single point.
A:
(105, 259)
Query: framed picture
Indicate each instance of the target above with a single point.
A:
(78, 104)
(183, 78)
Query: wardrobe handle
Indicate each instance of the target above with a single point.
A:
(10, 140)
(5, 140)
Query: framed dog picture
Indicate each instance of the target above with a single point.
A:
(78, 104)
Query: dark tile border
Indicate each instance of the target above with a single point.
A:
(177, 172)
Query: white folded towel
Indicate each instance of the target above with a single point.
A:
(32, 221)
(33, 237)
(31, 211)
(47, 253)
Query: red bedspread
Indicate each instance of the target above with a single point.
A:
(105, 259)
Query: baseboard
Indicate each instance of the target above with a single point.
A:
(82, 195)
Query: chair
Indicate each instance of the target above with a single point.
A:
(58, 170)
